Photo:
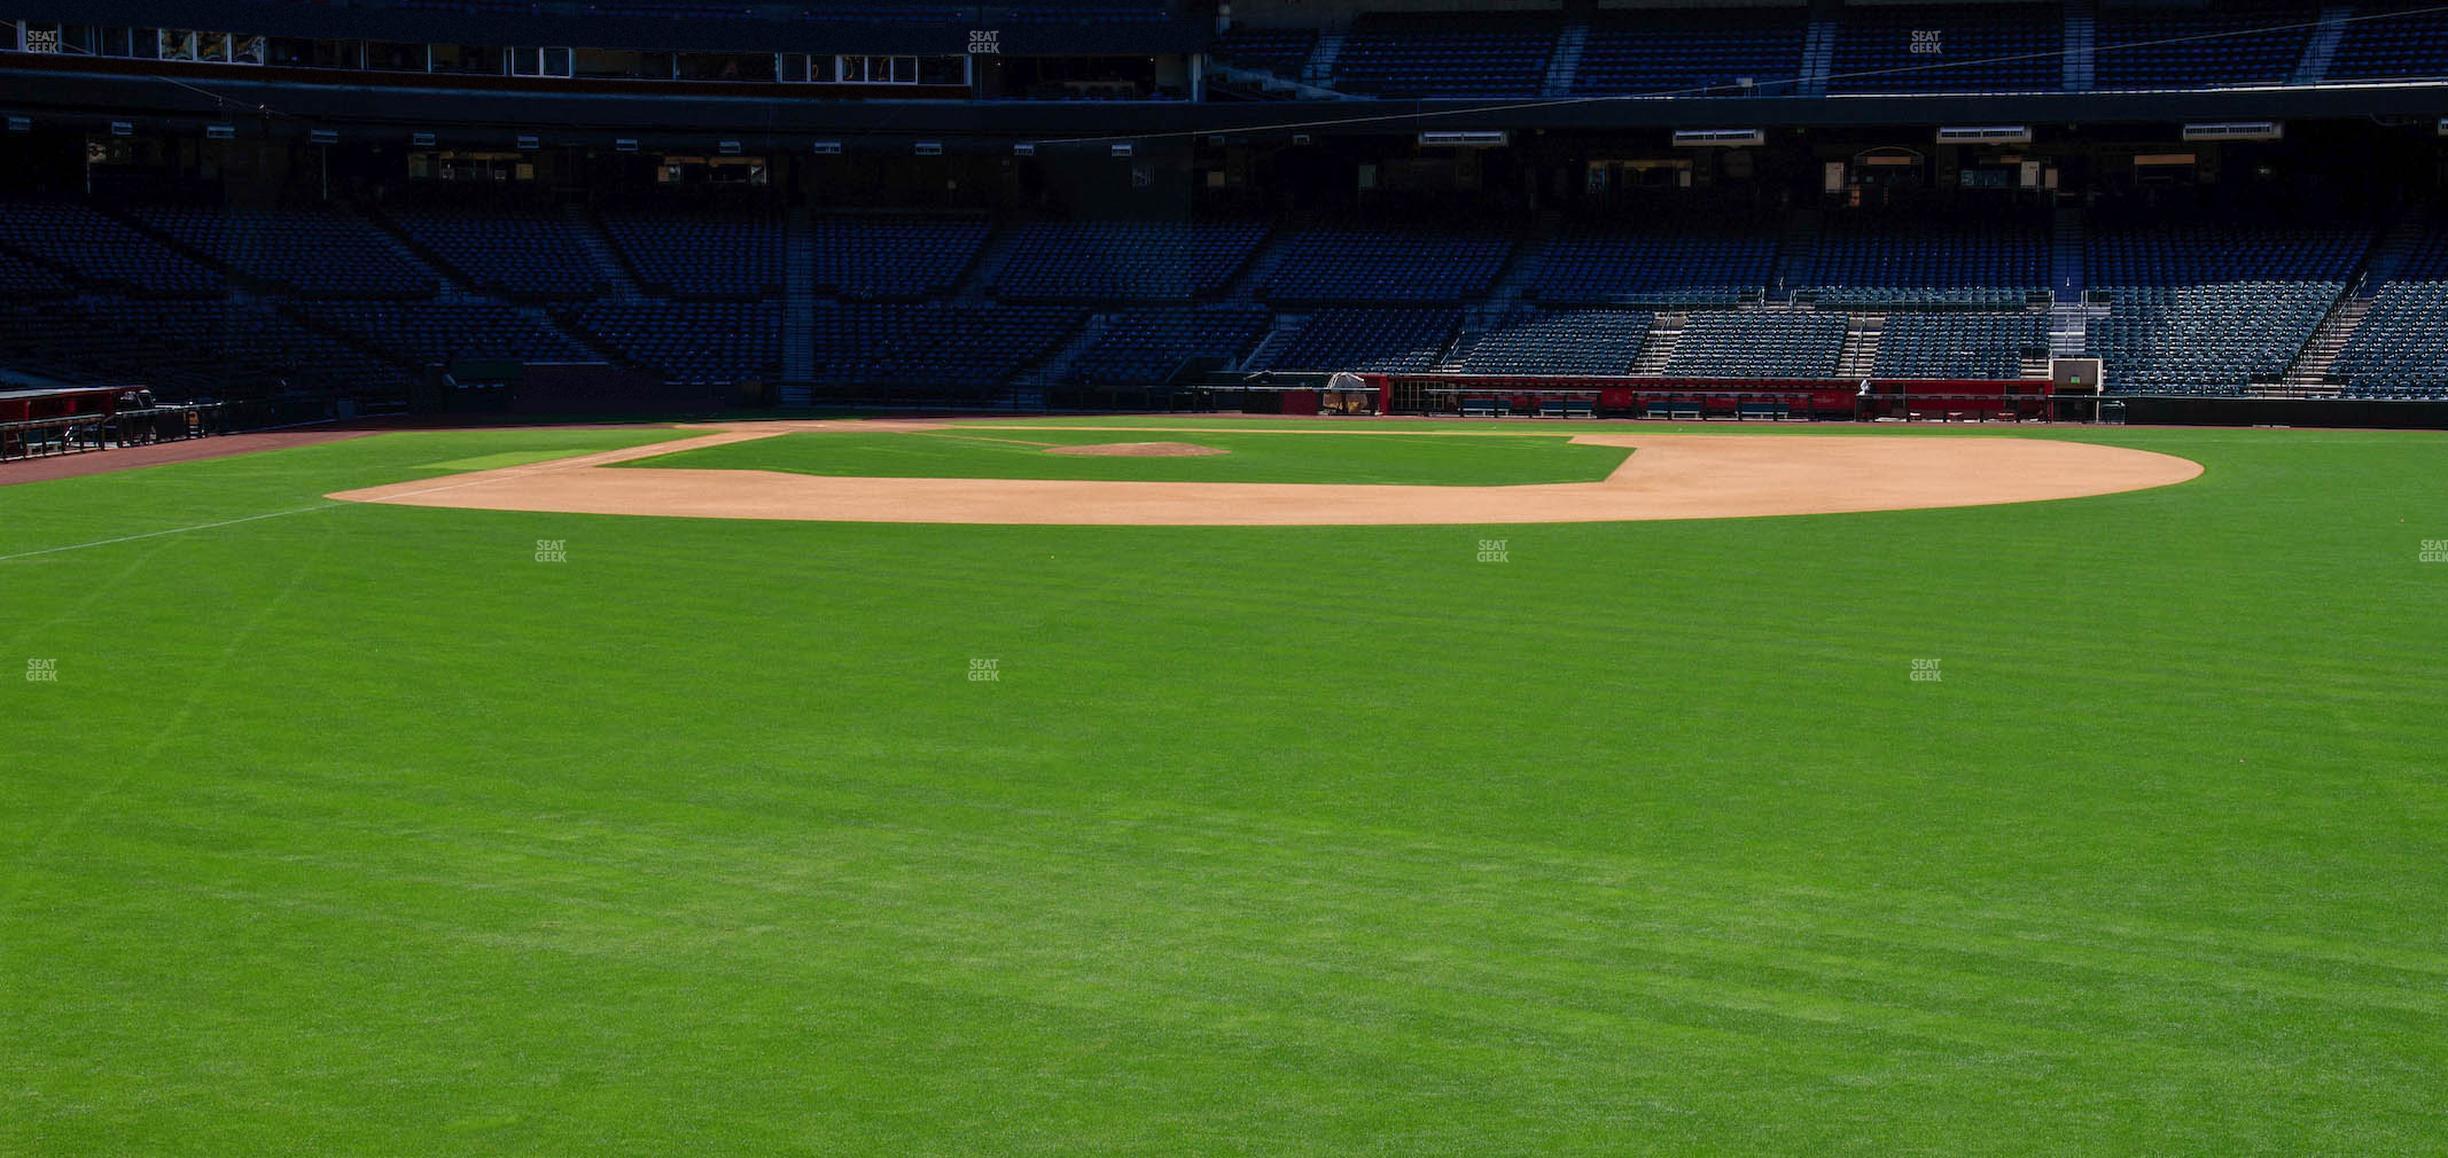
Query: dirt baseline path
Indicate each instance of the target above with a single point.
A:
(1669, 476)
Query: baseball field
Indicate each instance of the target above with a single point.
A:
(415, 821)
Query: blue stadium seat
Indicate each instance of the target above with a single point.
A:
(1146, 347)
(1382, 340)
(1996, 48)
(2150, 48)
(24, 278)
(1386, 265)
(1282, 51)
(1758, 344)
(2400, 348)
(700, 254)
(1958, 345)
(935, 345)
(1965, 262)
(1692, 54)
(1560, 342)
(2386, 45)
(1437, 55)
(696, 342)
(2190, 251)
(183, 348)
(438, 333)
(894, 257)
(1119, 259)
(99, 249)
(319, 252)
(2205, 339)
(1660, 262)
(521, 253)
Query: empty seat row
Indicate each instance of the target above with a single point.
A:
(183, 348)
(937, 345)
(700, 255)
(689, 341)
(1561, 342)
(2177, 48)
(1117, 259)
(1146, 347)
(1997, 48)
(1346, 264)
(1958, 345)
(522, 253)
(1384, 340)
(22, 277)
(439, 333)
(1692, 54)
(1436, 55)
(2392, 45)
(1876, 261)
(1758, 344)
(321, 252)
(95, 247)
(1668, 264)
(890, 257)
(2173, 253)
(2401, 347)
(1282, 51)
(1912, 48)
(2207, 339)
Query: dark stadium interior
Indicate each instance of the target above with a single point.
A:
(1098, 204)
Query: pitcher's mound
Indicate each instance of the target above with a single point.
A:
(1140, 450)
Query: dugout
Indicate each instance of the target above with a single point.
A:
(1616, 396)
(41, 423)
(1267, 392)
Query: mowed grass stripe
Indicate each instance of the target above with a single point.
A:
(1731, 995)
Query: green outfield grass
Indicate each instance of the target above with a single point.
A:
(357, 829)
(986, 452)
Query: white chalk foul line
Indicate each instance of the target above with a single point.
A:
(483, 477)
(171, 531)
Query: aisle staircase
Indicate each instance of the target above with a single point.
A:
(2308, 375)
(1319, 68)
(598, 252)
(1263, 355)
(1818, 58)
(1261, 265)
(1051, 370)
(1658, 348)
(1796, 257)
(798, 299)
(1861, 346)
(2066, 270)
(977, 282)
(2069, 331)
(1565, 66)
(2081, 43)
(2321, 49)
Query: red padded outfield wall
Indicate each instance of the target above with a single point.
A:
(1725, 396)
(72, 402)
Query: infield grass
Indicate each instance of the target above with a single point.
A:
(988, 452)
(357, 829)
